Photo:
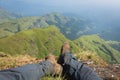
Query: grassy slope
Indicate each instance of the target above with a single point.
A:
(99, 46)
(36, 42)
(114, 44)
(91, 58)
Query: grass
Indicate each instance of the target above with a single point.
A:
(39, 42)
(114, 44)
(52, 78)
(88, 56)
(11, 62)
(35, 42)
(99, 46)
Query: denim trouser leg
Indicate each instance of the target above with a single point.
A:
(27, 72)
(76, 70)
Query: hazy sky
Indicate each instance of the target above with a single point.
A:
(67, 3)
(60, 5)
(103, 10)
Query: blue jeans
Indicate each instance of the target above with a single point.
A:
(71, 67)
(28, 72)
(75, 70)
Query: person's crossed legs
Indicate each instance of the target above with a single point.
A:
(74, 69)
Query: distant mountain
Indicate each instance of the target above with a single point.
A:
(95, 44)
(35, 42)
(111, 33)
(6, 15)
(42, 41)
(71, 27)
(114, 44)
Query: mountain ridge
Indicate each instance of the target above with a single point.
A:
(6, 15)
(41, 41)
(67, 25)
(26, 31)
(36, 42)
(72, 27)
(95, 44)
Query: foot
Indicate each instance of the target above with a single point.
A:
(57, 67)
(65, 48)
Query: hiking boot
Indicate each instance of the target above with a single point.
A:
(65, 48)
(57, 67)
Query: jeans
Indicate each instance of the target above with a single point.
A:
(71, 67)
(75, 70)
(28, 72)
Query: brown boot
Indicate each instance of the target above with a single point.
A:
(57, 67)
(65, 48)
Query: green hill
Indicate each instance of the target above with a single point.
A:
(95, 44)
(5, 20)
(41, 41)
(114, 44)
(35, 42)
(71, 27)
(6, 15)
(25, 36)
